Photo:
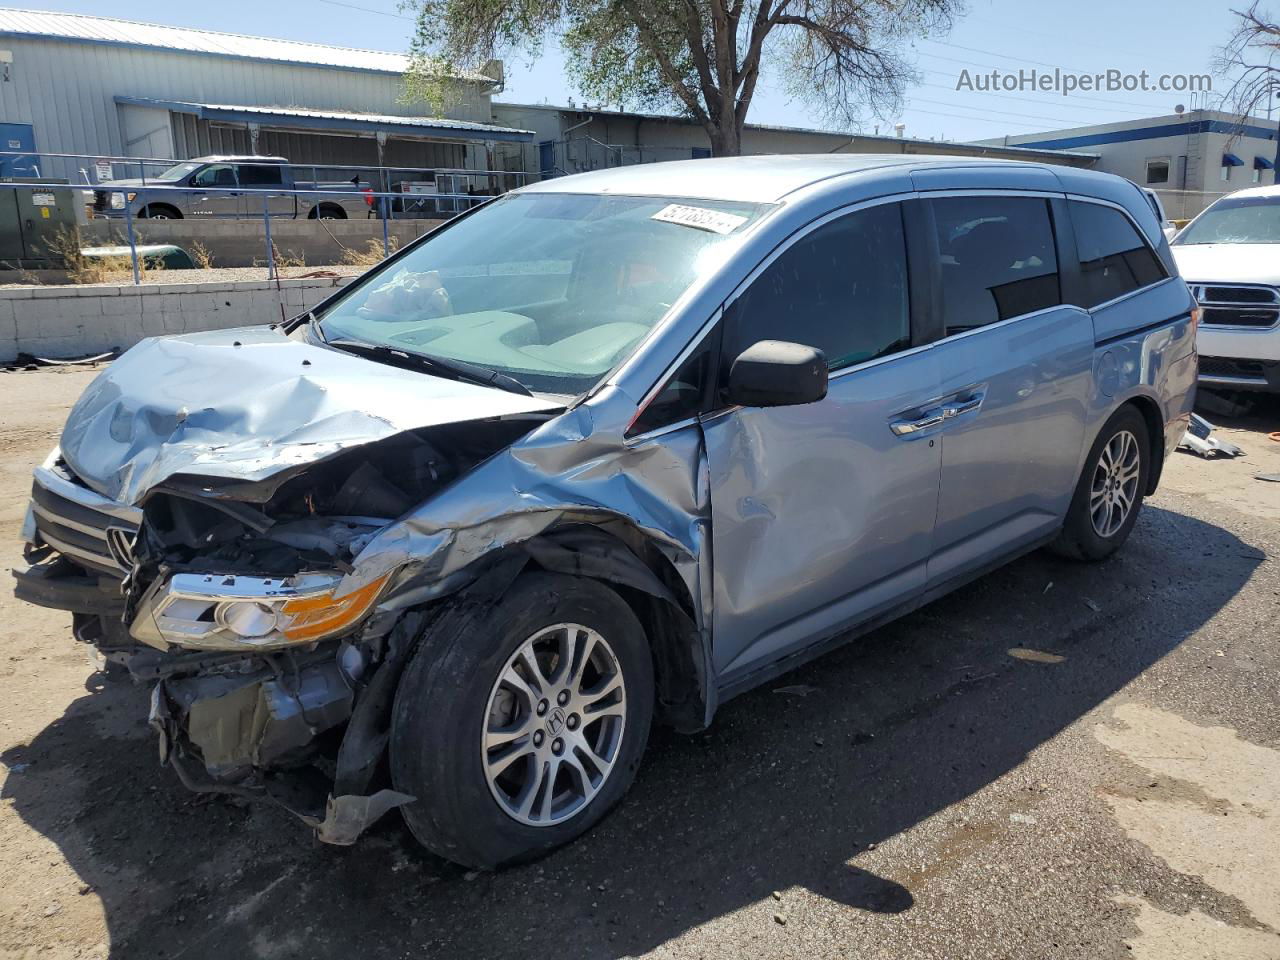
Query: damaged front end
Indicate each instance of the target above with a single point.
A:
(241, 598)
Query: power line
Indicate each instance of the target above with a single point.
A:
(956, 116)
(1038, 103)
(381, 13)
(1004, 56)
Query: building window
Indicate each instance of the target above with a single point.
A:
(1158, 170)
(1226, 173)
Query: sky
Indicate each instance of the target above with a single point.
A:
(1084, 36)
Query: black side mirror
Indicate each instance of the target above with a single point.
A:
(775, 373)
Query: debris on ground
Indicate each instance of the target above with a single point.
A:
(1269, 477)
(27, 361)
(1199, 440)
(1092, 605)
(1035, 656)
(1235, 405)
(796, 690)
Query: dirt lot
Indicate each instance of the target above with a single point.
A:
(1059, 760)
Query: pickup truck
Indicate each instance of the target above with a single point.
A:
(237, 186)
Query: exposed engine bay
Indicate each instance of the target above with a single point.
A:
(263, 529)
(265, 682)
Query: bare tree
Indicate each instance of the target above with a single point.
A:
(705, 58)
(1248, 62)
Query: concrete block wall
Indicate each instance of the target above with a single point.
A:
(63, 322)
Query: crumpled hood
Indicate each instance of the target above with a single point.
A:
(247, 404)
(1228, 262)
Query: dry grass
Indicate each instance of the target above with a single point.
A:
(67, 246)
(370, 256)
(288, 258)
(201, 256)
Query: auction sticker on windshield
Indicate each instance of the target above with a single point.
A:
(700, 217)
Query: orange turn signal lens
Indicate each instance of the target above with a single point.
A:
(320, 615)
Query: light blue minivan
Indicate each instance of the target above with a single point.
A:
(606, 450)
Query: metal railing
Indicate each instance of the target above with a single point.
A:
(379, 200)
(385, 176)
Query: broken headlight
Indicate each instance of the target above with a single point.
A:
(208, 612)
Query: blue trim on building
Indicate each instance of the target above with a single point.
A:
(1149, 133)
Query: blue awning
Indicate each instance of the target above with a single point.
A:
(1262, 163)
(1231, 160)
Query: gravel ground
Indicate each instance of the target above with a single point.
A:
(214, 275)
(1059, 760)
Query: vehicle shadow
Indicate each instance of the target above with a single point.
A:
(789, 788)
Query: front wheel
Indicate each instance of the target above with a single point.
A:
(1109, 494)
(519, 725)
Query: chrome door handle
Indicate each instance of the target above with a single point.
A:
(957, 407)
(904, 428)
(936, 416)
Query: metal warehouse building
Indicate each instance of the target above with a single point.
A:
(103, 87)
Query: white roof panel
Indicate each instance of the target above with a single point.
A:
(74, 26)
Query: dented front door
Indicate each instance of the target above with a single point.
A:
(822, 514)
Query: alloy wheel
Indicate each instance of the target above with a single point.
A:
(554, 724)
(1115, 483)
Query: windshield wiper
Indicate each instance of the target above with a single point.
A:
(459, 369)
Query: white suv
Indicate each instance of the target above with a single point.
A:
(1230, 257)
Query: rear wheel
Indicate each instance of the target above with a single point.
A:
(158, 212)
(519, 725)
(1109, 494)
(327, 211)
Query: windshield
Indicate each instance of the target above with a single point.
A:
(1236, 220)
(176, 172)
(551, 289)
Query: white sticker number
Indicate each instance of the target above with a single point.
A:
(700, 218)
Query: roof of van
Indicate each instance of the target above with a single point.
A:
(761, 179)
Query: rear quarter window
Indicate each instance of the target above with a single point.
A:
(1115, 259)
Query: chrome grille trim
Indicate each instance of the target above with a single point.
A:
(1245, 306)
(77, 522)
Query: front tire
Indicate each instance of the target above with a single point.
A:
(519, 725)
(1109, 494)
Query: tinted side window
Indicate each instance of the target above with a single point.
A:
(841, 289)
(998, 259)
(1114, 258)
(215, 175)
(260, 175)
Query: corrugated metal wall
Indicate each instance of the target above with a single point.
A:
(67, 90)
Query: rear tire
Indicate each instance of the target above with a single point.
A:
(154, 212)
(1109, 494)
(327, 212)
(473, 748)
